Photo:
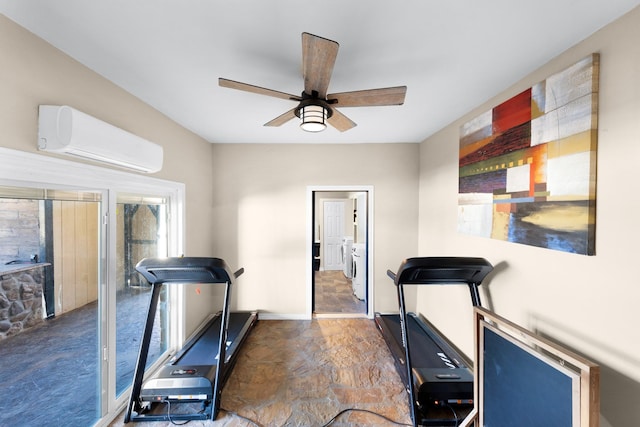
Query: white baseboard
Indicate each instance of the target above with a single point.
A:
(280, 316)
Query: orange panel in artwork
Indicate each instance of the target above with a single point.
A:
(538, 155)
(474, 147)
(503, 207)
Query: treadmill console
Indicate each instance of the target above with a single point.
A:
(186, 270)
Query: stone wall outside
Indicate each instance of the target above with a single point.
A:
(21, 305)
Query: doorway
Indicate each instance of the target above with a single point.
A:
(340, 240)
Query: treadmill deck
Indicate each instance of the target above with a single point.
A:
(190, 374)
(441, 376)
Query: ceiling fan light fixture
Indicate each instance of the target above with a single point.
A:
(313, 118)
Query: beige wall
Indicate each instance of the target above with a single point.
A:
(34, 73)
(260, 213)
(588, 303)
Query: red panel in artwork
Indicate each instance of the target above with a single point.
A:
(512, 112)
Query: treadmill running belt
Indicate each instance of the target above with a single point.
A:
(190, 375)
(440, 373)
(424, 351)
(205, 350)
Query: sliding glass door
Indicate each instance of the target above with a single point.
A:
(72, 306)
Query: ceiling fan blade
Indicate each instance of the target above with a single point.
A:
(370, 97)
(232, 84)
(340, 121)
(282, 118)
(318, 58)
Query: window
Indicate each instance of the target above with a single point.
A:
(141, 233)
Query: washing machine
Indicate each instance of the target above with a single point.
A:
(359, 273)
(347, 258)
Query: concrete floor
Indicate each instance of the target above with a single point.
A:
(333, 294)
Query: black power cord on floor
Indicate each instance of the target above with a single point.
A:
(328, 423)
(344, 411)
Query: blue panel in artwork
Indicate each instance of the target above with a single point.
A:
(522, 231)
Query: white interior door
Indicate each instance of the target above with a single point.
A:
(333, 219)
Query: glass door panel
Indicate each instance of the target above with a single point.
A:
(49, 308)
(141, 233)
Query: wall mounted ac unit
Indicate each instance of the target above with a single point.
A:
(62, 129)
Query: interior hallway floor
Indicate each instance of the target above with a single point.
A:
(333, 294)
(303, 373)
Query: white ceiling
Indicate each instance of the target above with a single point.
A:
(451, 54)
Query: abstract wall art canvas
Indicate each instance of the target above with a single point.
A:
(527, 167)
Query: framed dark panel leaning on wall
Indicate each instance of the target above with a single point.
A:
(527, 380)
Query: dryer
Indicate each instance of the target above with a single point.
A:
(347, 258)
(359, 278)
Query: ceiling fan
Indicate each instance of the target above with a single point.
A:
(315, 107)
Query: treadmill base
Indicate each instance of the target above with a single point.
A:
(442, 381)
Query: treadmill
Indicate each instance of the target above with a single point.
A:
(189, 386)
(441, 386)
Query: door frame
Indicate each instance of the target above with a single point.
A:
(369, 189)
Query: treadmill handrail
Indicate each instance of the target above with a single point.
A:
(238, 272)
(392, 275)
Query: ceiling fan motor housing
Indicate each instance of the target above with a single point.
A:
(313, 100)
